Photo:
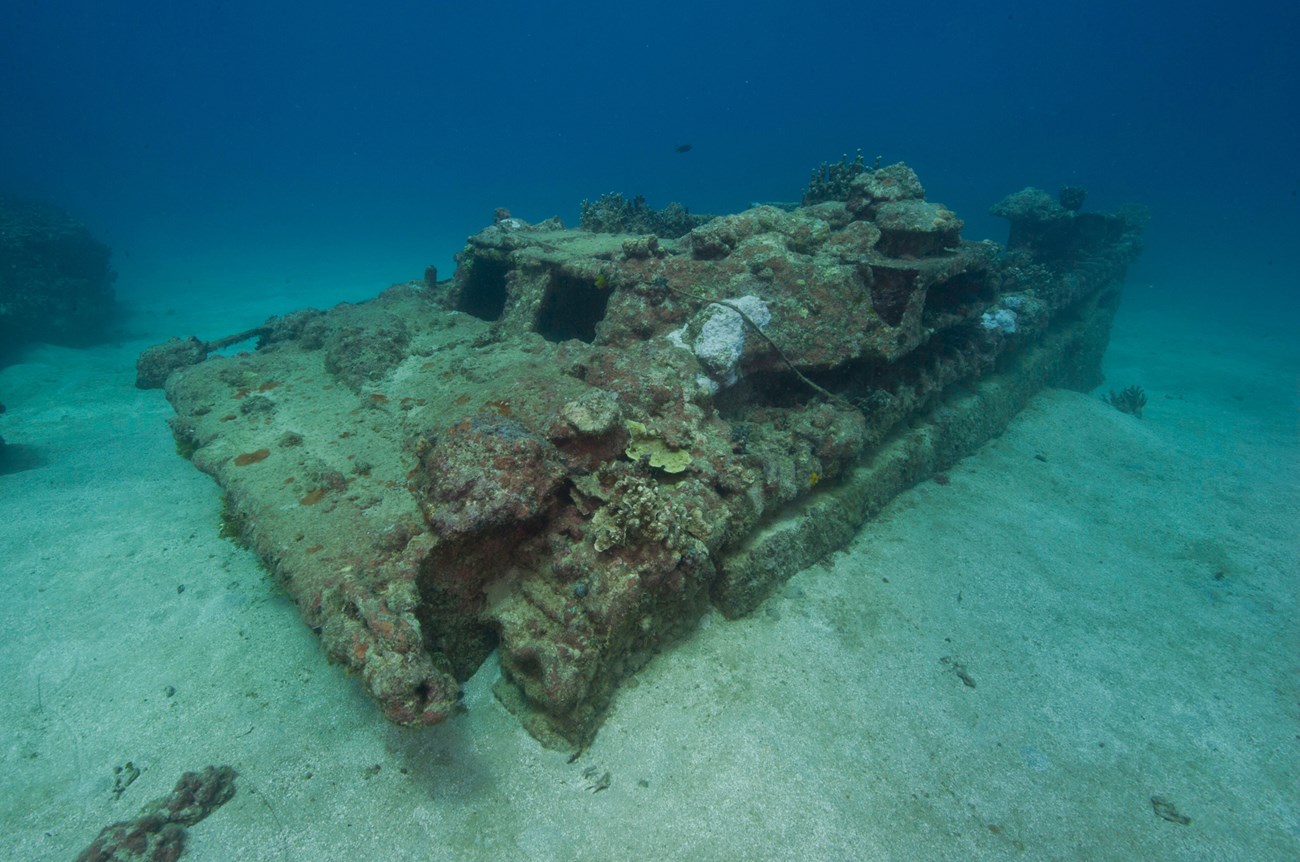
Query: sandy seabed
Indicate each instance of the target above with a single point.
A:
(1095, 610)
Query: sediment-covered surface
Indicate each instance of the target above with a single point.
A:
(580, 441)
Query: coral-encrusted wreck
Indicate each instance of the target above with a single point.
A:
(574, 446)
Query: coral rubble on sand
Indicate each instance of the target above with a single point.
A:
(571, 449)
(158, 832)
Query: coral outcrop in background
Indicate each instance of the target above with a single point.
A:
(55, 281)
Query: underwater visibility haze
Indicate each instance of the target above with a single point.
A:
(714, 431)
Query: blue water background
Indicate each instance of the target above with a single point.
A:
(379, 135)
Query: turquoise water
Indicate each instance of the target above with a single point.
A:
(1128, 607)
(392, 134)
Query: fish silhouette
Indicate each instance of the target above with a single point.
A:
(683, 148)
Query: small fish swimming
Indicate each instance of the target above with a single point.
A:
(683, 148)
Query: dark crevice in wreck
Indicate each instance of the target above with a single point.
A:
(571, 307)
(484, 291)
